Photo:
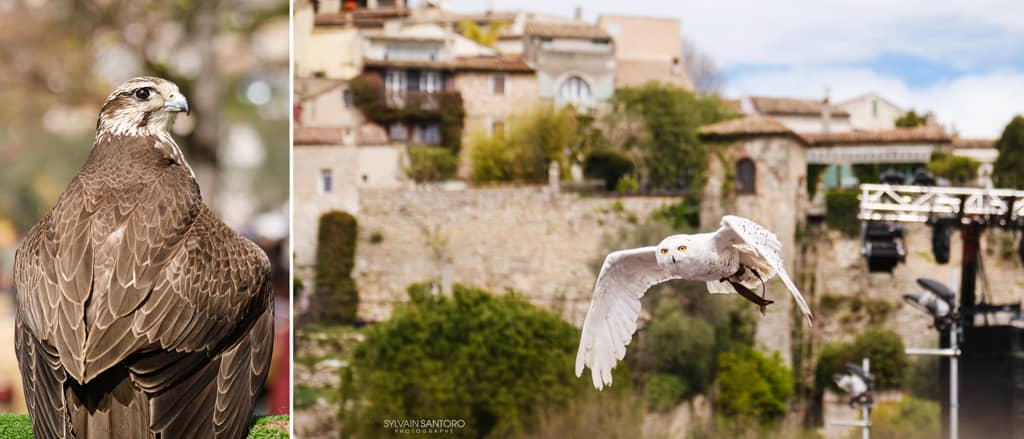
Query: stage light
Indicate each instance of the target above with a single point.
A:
(1020, 248)
(923, 178)
(893, 176)
(882, 246)
(940, 243)
(937, 301)
(857, 384)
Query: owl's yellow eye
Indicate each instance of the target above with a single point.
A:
(664, 251)
(682, 248)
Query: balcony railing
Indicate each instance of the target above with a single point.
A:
(419, 100)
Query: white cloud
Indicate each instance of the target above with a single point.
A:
(976, 105)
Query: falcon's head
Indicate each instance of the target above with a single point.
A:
(140, 107)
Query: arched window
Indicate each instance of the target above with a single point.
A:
(746, 177)
(574, 90)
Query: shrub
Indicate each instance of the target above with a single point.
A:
(683, 346)
(663, 391)
(335, 300)
(674, 157)
(911, 418)
(608, 165)
(883, 347)
(684, 214)
(888, 359)
(531, 142)
(493, 361)
(430, 163)
(369, 97)
(753, 385)
(841, 209)
(627, 184)
(1008, 170)
(956, 169)
(923, 379)
(911, 119)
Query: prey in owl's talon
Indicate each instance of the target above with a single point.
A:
(760, 301)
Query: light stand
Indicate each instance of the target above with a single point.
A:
(946, 317)
(860, 385)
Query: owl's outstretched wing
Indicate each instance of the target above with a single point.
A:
(764, 243)
(611, 320)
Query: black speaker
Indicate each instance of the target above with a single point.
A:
(991, 383)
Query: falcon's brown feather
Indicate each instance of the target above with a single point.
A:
(140, 312)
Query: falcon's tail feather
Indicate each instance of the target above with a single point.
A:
(109, 407)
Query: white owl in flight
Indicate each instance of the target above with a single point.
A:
(737, 258)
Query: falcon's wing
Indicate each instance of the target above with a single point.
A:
(764, 243)
(212, 310)
(611, 320)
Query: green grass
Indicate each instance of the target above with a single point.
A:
(270, 427)
(17, 426)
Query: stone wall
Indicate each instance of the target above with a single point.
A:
(543, 245)
(311, 201)
(483, 106)
(839, 271)
(776, 204)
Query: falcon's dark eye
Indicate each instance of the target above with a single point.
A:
(143, 93)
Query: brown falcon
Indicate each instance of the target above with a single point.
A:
(140, 314)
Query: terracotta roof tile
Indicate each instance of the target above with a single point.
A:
(317, 136)
(793, 107)
(493, 63)
(401, 63)
(565, 30)
(974, 143)
(898, 135)
(753, 124)
(360, 18)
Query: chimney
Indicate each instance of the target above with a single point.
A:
(577, 13)
(826, 113)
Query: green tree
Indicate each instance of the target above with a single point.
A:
(335, 299)
(753, 385)
(1008, 170)
(911, 119)
(957, 169)
(841, 208)
(673, 156)
(682, 346)
(430, 163)
(531, 142)
(883, 347)
(495, 362)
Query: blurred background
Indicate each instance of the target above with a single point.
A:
(59, 60)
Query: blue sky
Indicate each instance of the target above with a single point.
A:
(962, 59)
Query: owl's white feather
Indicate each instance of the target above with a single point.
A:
(627, 274)
(766, 245)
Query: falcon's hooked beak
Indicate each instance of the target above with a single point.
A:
(176, 103)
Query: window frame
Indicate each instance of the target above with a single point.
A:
(740, 187)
